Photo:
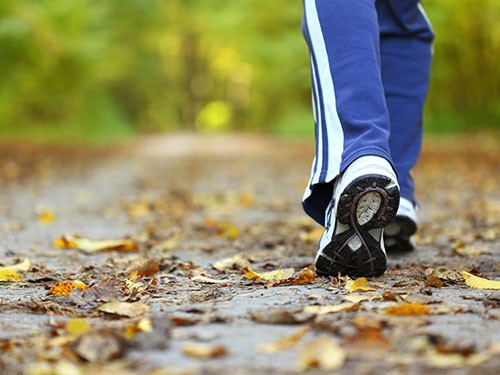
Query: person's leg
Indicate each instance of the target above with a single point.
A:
(406, 51)
(353, 189)
(351, 117)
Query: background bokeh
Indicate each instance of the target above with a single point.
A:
(105, 69)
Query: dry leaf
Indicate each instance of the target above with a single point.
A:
(408, 309)
(477, 282)
(358, 285)
(367, 341)
(99, 347)
(78, 327)
(321, 310)
(145, 268)
(128, 309)
(143, 325)
(92, 246)
(9, 275)
(276, 275)
(304, 276)
(208, 280)
(45, 217)
(64, 288)
(284, 343)
(204, 351)
(356, 298)
(322, 352)
(235, 262)
(433, 281)
(23, 266)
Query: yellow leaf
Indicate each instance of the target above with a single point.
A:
(480, 282)
(45, 217)
(23, 266)
(275, 275)
(208, 280)
(64, 288)
(204, 351)
(143, 325)
(78, 327)
(284, 343)
(235, 262)
(322, 310)
(91, 246)
(312, 236)
(9, 275)
(128, 309)
(323, 353)
(408, 309)
(358, 285)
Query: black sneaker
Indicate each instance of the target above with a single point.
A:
(398, 234)
(365, 200)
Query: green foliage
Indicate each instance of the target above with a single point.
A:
(96, 69)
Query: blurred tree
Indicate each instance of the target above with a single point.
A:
(102, 67)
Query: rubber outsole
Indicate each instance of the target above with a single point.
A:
(401, 242)
(369, 259)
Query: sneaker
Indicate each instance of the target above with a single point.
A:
(397, 235)
(365, 200)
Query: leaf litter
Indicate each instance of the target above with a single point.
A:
(183, 271)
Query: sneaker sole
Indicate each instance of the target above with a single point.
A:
(401, 242)
(369, 202)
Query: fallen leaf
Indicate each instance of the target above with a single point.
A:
(143, 325)
(304, 276)
(321, 310)
(208, 280)
(367, 340)
(92, 246)
(433, 281)
(408, 309)
(23, 266)
(235, 262)
(323, 353)
(9, 275)
(281, 316)
(358, 285)
(284, 343)
(221, 229)
(363, 322)
(64, 288)
(204, 351)
(357, 298)
(477, 282)
(144, 268)
(78, 327)
(45, 216)
(275, 275)
(128, 309)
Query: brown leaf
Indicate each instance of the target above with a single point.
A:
(408, 309)
(433, 281)
(204, 351)
(281, 316)
(208, 280)
(304, 276)
(144, 268)
(284, 343)
(367, 340)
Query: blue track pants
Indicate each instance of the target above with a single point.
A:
(370, 62)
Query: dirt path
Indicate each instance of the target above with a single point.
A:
(183, 203)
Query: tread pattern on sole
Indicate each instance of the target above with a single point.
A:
(370, 258)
